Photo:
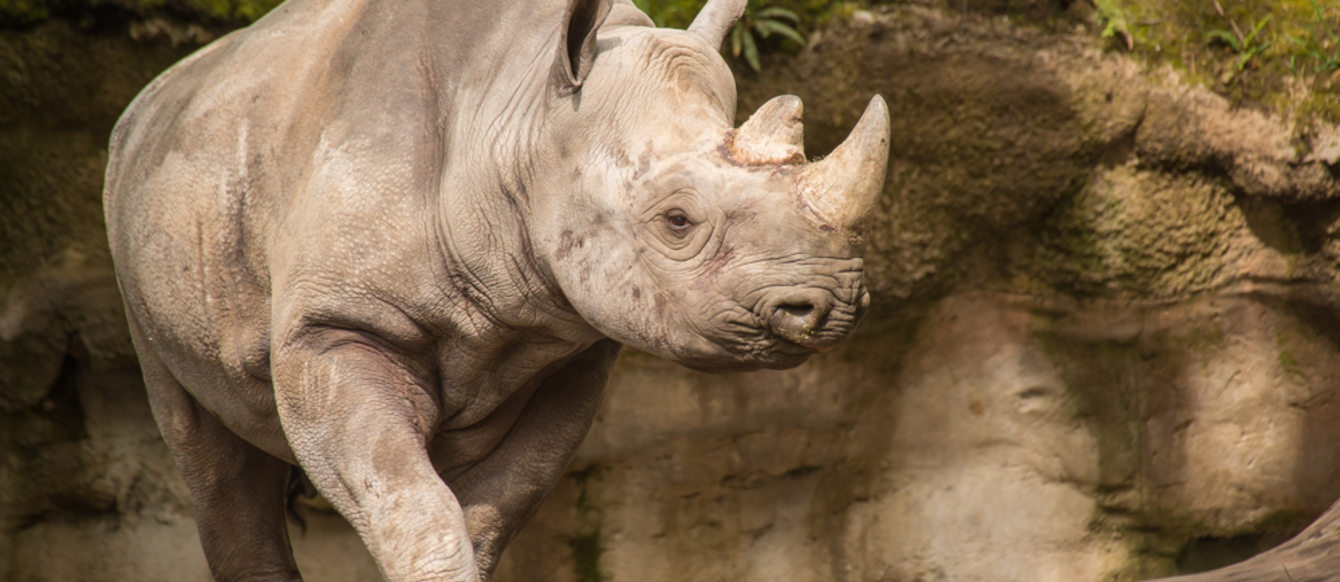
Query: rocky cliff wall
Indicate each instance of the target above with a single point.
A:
(1103, 344)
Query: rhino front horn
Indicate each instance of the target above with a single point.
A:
(842, 188)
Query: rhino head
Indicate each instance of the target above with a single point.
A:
(671, 230)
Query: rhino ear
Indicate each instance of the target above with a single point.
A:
(716, 18)
(577, 41)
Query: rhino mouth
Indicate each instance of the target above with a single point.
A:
(781, 334)
(771, 313)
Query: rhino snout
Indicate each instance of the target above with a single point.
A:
(806, 318)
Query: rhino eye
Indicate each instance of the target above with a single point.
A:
(677, 233)
(678, 221)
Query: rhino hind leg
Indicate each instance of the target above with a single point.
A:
(1311, 556)
(238, 492)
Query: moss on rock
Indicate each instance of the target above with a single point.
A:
(1139, 232)
(22, 13)
(1265, 52)
(55, 115)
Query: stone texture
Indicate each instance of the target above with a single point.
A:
(1102, 346)
(1003, 438)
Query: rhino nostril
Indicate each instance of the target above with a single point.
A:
(802, 310)
(798, 322)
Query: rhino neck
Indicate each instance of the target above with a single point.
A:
(487, 77)
(484, 236)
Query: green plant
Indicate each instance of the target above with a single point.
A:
(1246, 47)
(224, 12)
(780, 18)
(762, 23)
(23, 12)
(670, 13)
(1321, 46)
(1114, 22)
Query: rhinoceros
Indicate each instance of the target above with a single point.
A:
(399, 245)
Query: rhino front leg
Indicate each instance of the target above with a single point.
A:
(501, 493)
(357, 417)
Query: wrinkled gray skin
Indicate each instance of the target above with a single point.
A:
(399, 244)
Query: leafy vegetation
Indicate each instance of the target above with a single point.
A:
(1319, 48)
(762, 24)
(1250, 50)
(23, 12)
(1269, 52)
(767, 25)
(680, 13)
(1247, 47)
(225, 12)
(1113, 19)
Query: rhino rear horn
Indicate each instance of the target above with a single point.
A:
(842, 189)
(715, 20)
(773, 135)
